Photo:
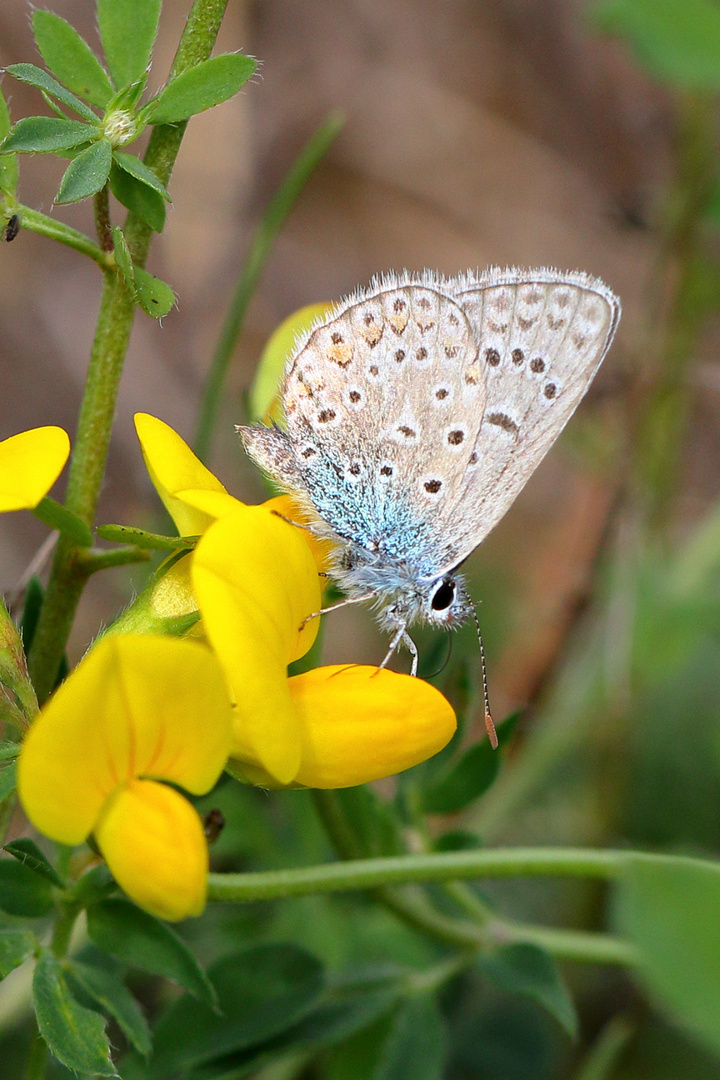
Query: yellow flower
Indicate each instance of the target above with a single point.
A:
(30, 463)
(255, 579)
(137, 710)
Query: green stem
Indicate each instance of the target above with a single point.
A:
(38, 1057)
(604, 1055)
(581, 945)
(34, 221)
(93, 561)
(103, 226)
(415, 909)
(408, 903)
(408, 869)
(63, 928)
(434, 978)
(69, 572)
(272, 221)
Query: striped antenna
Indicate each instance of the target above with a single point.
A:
(489, 722)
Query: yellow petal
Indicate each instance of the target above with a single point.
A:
(173, 596)
(214, 504)
(30, 463)
(264, 403)
(135, 706)
(153, 841)
(363, 723)
(255, 581)
(289, 508)
(173, 468)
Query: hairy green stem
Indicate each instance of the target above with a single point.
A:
(92, 561)
(272, 221)
(408, 869)
(582, 945)
(103, 227)
(386, 874)
(34, 221)
(69, 571)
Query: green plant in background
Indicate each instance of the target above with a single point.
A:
(410, 970)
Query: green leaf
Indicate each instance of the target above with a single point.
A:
(416, 1045)
(8, 162)
(9, 750)
(122, 258)
(128, 97)
(676, 40)
(31, 611)
(531, 972)
(86, 174)
(142, 941)
(375, 827)
(35, 76)
(155, 297)
(94, 885)
(46, 134)
(8, 780)
(470, 776)
(15, 947)
(75, 1035)
(22, 891)
(56, 516)
(261, 992)
(29, 854)
(330, 1022)
(108, 990)
(137, 196)
(70, 58)
(670, 909)
(127, 31)
(125, 534)
(199, 88)
(141, 172)
(466, 781)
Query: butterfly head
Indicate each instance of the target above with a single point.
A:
(446, 602)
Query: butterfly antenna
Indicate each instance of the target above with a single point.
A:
(489, 722)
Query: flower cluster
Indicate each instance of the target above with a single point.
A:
(143, 710)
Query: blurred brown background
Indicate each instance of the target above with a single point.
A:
(502, 131)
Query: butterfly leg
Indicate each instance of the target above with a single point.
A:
(335, 607)
(401, 636)
(410, 644)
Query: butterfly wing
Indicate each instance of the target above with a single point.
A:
(541, 336)
(383, 404)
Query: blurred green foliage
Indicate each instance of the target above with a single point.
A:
(621, 748)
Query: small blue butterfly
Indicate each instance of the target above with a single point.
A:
(415, 413)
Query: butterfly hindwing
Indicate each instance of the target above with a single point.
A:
(541, 337)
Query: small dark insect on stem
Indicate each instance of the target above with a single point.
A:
(11, 229)
(213, 824)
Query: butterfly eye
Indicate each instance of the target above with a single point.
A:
(443, 596)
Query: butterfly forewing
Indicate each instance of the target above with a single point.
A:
(541, 337)
(384, 403)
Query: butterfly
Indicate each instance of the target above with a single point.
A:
(415, 413)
